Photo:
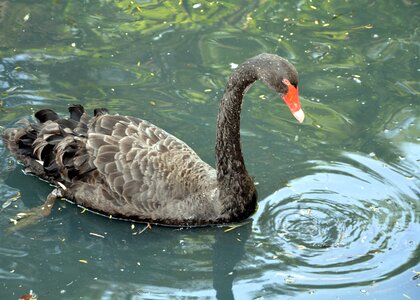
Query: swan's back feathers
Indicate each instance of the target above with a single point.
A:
(118, 165)
(147, 173)
(141, 161)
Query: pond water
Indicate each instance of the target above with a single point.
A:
(338, 214)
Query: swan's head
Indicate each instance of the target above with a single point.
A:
(281, 76)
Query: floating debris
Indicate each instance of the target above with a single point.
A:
(30, 296)
(232, 227)
(83, 261)
(357, 80)
(368, 26)
(305, 212)
(26, 17)
(301, 247)
(12, 89)
(375, 251)
(21, 215)
(138, 8)
(10, 200)
(289, 279)
(141, 231)
(97, 235)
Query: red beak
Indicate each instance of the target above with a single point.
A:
(292, 100)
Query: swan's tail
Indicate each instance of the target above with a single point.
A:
(53, 149)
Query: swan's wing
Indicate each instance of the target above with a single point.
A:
(141, 164)
(116, 165)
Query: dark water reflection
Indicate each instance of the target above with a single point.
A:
(343, 221)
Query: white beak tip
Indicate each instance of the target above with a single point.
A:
(299, 115)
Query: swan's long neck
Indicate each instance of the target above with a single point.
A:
(233, 179)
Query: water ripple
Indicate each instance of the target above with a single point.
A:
(7, 252)
(348, 222)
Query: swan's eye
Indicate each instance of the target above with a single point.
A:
(286, 82)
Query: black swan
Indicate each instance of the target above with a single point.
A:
(128, 168)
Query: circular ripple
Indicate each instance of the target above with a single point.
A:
(345, 223)
(315, 224)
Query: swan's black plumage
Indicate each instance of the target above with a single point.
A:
(129, 168)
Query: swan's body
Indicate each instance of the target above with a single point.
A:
(131, 169)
